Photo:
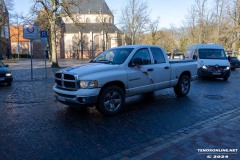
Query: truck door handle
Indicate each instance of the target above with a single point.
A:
(167, 67)
(150, 69)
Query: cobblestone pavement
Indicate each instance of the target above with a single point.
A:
(219, 132)
(160, 126)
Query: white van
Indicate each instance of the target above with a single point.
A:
(212, 60)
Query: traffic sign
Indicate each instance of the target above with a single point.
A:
(43, 34)
(30, 32)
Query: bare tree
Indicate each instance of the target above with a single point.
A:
(51, 9)
(16, 21)
(200, 9)
(236, 24)
(153, 30)
(234, 14)
(106, 26)
(135, 18)
(78, 40)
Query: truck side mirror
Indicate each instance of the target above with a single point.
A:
(135, 62)
(195, 57)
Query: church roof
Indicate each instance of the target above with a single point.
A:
(88, 27)
(88, 7)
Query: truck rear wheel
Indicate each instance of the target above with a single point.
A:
(183, 86)
(111, 100)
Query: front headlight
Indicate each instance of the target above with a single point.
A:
(204, 67)
(8, 74)
(227, 68)
(88, 84)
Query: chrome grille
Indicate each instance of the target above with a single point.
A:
(216, 68)
(66, 81)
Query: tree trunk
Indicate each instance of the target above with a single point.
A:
(53, 45)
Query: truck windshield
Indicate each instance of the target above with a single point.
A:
(212, 54)
(1, 64)
(113, 56)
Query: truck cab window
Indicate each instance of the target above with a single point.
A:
(158, 55)
(144, 55)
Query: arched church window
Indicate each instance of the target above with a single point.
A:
(75, 42)
(97, 20)
(78, 18)
(105, 20)
(88, 20)
(110, 20)
(96, 41)
(85, 42)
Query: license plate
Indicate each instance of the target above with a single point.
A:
(216, 73)
(60, 98)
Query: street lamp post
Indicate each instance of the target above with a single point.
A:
(92, 53)
(81, 43)
(103, 41)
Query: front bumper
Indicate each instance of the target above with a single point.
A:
(81, 97)
(6, 79)
(206, 73)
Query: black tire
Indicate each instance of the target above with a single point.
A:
(111, 100)
(225, 78)
(183, 86)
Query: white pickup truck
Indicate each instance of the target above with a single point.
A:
(121, 72)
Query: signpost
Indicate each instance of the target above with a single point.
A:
(44, 44)
(30, 32)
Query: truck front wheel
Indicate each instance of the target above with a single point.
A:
(111, 100)
(183, 86)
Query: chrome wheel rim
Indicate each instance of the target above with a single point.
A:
(185, 86)
(112, 101)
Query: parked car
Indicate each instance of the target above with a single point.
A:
(121, 72)
(5, 74)
(212, 60)
(234, 62)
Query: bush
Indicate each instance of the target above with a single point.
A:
(20, 55)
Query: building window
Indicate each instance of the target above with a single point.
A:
(85, 42)
(110, 20)
(97, 20)
(105, 20)
(78, 19)
(96, 42)
(75, 43)
(88, 20)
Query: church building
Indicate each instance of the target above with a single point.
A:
(89, 30)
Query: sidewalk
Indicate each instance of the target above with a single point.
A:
(39, 70)
(219, 132)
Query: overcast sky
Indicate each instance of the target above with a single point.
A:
(170, 11)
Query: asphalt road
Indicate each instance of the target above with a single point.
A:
(35, 126)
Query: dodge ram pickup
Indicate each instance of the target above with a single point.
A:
(121, 72)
